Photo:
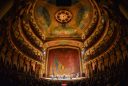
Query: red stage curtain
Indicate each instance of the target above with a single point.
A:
(63, 61)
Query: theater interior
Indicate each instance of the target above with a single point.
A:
(63, 43)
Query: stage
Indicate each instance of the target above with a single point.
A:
(65, 79)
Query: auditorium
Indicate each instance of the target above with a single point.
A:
(63, 43)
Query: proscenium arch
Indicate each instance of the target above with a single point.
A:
(63, 47)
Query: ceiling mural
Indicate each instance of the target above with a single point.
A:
(70, 21)
(44, 16)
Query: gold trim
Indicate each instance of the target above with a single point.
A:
(63, 43)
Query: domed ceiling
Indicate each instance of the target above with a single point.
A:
(62, 21)
(41, 24)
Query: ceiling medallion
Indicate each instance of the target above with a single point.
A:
(63, 16)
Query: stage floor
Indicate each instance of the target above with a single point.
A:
(65, 79)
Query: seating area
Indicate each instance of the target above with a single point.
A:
(114, 76)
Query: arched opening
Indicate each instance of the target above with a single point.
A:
(64, 62)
